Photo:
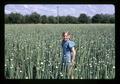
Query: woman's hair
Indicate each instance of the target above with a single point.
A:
(68, 33)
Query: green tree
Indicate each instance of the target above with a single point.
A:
(89, 19)
(44, 19)
(7, 18)
(62, 19)
(15, 18)
(112, 19)
(70, 19)
(52, 19)
(105, 18)
(74, 20)
(96, 18)
(83, 18)
(34, 18)
(27, 18)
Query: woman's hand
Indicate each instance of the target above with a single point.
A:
(73, 62)
(73, 55)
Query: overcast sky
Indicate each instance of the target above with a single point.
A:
(64, 9)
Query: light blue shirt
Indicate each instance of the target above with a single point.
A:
(67, 46)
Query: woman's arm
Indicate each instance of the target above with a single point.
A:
(73, 55)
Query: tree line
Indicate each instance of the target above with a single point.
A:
(37, 18)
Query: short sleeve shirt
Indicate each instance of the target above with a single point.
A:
(67, 46)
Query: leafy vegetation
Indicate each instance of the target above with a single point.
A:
(33, 51)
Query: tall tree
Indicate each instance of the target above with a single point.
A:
(34, 18)
(7, 18)
(27, 18)
(89, 19)
(44, 19)
(70, 19)
(112, 19)
(83, 18)
(74, 20)
(105, 18)
(15, 18)
(52, 19)
(62, 19)
(96, 18)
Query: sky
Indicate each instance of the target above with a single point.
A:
(64, 9)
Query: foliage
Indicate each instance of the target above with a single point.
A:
(33, 51)
(37, 18)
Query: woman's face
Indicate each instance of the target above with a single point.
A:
(66, 37)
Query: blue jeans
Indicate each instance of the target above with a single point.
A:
(66, 63)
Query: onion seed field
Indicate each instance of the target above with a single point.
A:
(33, 51)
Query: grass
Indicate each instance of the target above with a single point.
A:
(33, 51)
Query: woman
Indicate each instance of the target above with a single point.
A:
(69, 52)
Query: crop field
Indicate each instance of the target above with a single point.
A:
(33, 51)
